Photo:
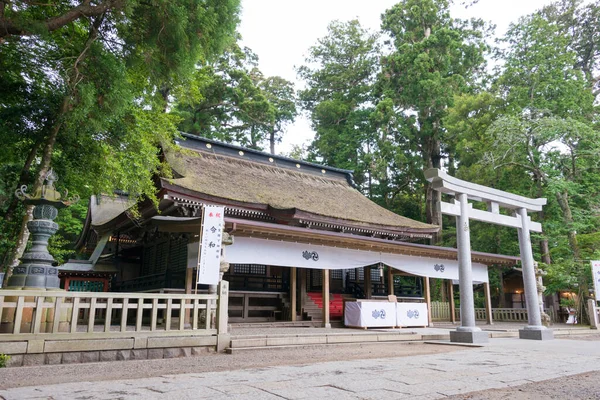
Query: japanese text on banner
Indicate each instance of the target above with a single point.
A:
(209, 256)
(596, 276)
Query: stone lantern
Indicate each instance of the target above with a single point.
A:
(36, 270)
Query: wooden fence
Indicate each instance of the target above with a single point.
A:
(41, 312)
(37, 322)
(440, 311)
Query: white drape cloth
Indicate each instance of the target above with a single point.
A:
(247, 250)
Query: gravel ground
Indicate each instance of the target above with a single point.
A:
(575, 387)
(51, 374)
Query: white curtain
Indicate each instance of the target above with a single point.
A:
(271, 252)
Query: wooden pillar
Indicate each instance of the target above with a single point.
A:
(488, 303)
(189, 277)
(303, 274)
(326, 321)
(451, 299)
(293, 293)
(368, 286)
(427, 298)
(390, 281)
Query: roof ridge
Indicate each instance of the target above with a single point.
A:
(212, 157)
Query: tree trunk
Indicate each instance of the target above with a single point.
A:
(23, 178)
(49, 145)
(272, 141)
(433, 198)
(583, 288)
(502, 297)
(563, 202)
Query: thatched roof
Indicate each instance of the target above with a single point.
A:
(287, 189)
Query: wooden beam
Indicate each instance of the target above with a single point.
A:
(303, 274)
(451, 299)
(326, 321)
(427, 298)
(293, 293)
(390, 281)
(189, 277)
(488, 303)
(368, 285)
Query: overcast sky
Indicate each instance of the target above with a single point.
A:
(281, 31)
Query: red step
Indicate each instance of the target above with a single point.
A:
(336, 303)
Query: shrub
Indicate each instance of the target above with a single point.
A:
(4, 359)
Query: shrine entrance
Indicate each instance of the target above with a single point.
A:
(519, 206)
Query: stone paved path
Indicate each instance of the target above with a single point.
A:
(502, 363)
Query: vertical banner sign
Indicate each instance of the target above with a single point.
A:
(596, 276)
(209, 256)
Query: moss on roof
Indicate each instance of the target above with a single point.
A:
(254, 182)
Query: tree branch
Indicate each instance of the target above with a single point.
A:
(10, 27)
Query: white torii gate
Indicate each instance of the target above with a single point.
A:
(468, 332)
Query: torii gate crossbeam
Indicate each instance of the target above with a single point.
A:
(468, 332)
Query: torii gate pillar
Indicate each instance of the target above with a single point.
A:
(463, 211)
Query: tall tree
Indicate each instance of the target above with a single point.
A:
(435, 58)
(231, 100)
(99, 80)
(339, 74)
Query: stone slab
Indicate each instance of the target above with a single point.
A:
(110, 355)
(155, 353)
(140, 343)
(249, 342)
(71, 358)
(13, 347)
(15, 361)
(54, 358)
(536, 334)
(184, 341)
(35, 346)
(90, 356)
(469, 337)
(54, 346)
(173, 353)
(124, 355)
(33, 359)
(140, 354)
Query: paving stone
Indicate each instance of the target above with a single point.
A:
(71, 358)
(16, 360)
(199, 351)
(186, 351)
(171, 353)
(155, 353)
(54, 358)
(139, 354)
(110, 355)
(90, 356)
(417, 377)
(123, 355)
(33, 359)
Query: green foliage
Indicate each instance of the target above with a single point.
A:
(339, 73)
(4, 359)
(88, 97)
(231, 101)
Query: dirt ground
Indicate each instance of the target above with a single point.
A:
(51, 374)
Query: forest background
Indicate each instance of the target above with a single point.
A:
(93, 88)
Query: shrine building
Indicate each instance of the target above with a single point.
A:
(304, 237)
